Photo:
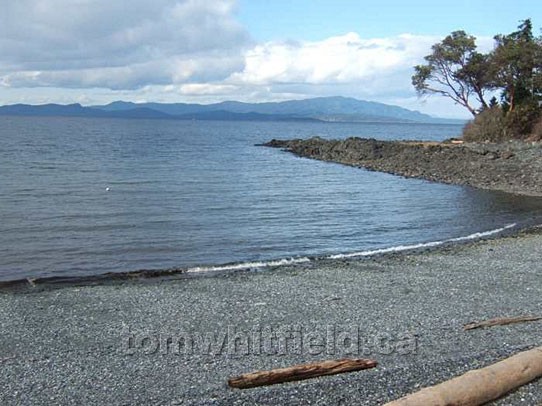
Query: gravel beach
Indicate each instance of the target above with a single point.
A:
(106, 343)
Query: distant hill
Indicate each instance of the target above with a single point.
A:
(327, 109)
(71, 110)
(76, 110)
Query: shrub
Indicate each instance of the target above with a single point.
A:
(489, 125)
(494, 125)
(520, 122)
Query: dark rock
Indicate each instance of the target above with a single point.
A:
(476, 165)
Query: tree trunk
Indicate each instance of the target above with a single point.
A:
(511, 96)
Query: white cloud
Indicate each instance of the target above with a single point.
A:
(194, 89)
(342, 59)
(347, 65)
(118, 44)
(95, 51)
(343, 65)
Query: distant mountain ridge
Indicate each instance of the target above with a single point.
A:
(325, 109)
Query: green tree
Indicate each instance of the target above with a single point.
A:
(516, 65)
(456, 70)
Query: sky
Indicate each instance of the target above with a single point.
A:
(205, 51)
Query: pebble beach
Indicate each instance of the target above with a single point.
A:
(105, 342)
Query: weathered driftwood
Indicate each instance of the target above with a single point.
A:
(300, 372)
(500, 321)
(480, 386)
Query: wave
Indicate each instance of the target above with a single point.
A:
(249, 265)
(400, 248)
(255, 265)
(300, 260)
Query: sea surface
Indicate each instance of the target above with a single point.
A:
(88, 196)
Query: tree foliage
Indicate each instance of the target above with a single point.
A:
(455, 69)
(517, 67)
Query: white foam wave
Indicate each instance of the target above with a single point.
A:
(430, 244)
(301, 260)
(249, 265)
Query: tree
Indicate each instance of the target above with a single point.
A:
(456, 70)
(516, 63)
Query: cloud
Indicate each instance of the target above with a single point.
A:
(207, 89)
(193, 51)
(347, 65)
(336, 60)
(118, 44)
(378, 69)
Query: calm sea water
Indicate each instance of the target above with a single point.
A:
(89, 196)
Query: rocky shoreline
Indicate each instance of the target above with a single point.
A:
(514, 167)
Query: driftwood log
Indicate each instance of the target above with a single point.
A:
(480, 386)
(300, 372)
(501, 321)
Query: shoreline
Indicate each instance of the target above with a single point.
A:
(512, 167)
(56, 341)
(60, 334)
(158, 275)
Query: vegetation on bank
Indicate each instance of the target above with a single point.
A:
(512, 71)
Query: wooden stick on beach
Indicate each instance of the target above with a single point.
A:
(500, 321)
(300, 372)
(480, 386)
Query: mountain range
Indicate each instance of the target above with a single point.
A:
(325, 109)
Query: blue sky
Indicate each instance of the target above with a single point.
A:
(318, 19)
(204, 51)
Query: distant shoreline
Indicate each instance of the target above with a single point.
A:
(513, 167)
(320, 109)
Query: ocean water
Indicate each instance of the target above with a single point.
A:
(89, 196)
